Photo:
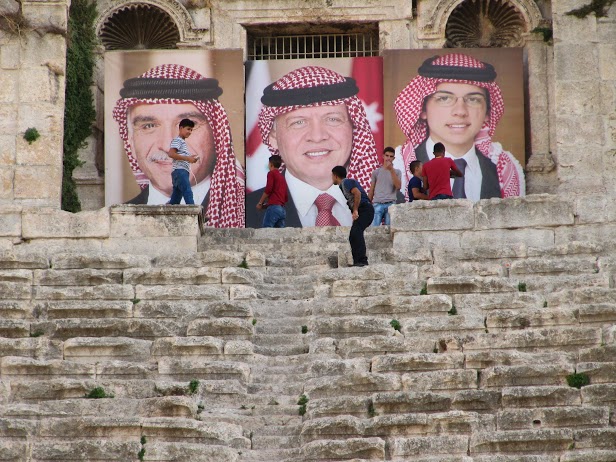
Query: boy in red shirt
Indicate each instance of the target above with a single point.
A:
(437, 172)
(275, 194)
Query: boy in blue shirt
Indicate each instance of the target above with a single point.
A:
(415, 187)
(180, 174)
(361, 209)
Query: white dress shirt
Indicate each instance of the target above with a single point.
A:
(304, 196)
(155, 197)
(472, 174)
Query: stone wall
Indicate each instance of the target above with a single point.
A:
(32, 65)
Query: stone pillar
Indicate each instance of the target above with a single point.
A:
(579, 124)
(395, 34)
(32, 67)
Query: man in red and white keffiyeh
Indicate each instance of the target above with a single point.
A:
(313, 119)
(148, 115)
(455, 101)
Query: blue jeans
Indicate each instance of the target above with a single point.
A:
(380, 211)
(181, 187)
(441, 196)
(274, 217)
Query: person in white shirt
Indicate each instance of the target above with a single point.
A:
(313, 119)
(455, 101)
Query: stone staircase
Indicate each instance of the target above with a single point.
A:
(264, 345)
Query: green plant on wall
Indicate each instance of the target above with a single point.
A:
(79, 112)
(598, 7)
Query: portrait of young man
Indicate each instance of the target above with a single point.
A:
(455, 98)
(313, 118)
(147, 113)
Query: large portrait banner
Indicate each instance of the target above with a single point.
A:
(147, 94)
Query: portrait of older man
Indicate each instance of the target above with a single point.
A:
(148, 113)
(313, 119)
(455, 100)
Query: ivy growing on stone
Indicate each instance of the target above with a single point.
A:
(79, 112)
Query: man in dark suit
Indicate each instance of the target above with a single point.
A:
(313, 119)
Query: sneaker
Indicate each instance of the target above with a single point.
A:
(360, 264)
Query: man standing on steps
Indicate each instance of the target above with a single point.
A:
(362, 213)
(384, 186)
(436, 174)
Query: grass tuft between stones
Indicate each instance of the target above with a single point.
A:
(31, 135)
(395, 324)
(302, 402)
(304, 329)
(244, 264)
(521, 287)
(98, 393)
(193, 386)
(141, 454)
(453, 311)
(424, 290)
(578, 381)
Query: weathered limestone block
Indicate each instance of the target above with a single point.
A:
(182, 292)
(90, 449)
(589, 455)
(211, 258)
(417, 362)
(179, 452)
(48, 222)
(377, 345)
(463, 269)
(599, 372)
(498, 301)
(324, 428)
(517, 397)
(138, 328)
(371, 273)
(416, 246)
(18, 428)
(238, 348)
(235, 309)
(100, 292)
(596, 438)
(41, 368)
(445, 381)
(601, 354)
(188, 346)
(420, 445)
(254, 259)
(242, 292)
(12, 260)
(162, 276)
(487, 358)
(396, 425)
(83, 309)
(241, 276)
(460, 422)
(168, 406)
(139, 221)
(77, 277)
(571, 248)
(355, 384)
(506, 319)
(14, 450)
(455, 325)
(123, 370)
(596, 232)
(88, 349)
(343, 288)
(10, 215)
(194, 430)
(570, 265)
(350, 327)
(16, 290)
(410, 402)
(470, 284)
(476, 400)
(219, 327)
(100, 427)
(384, 304)
(348, 405)
(327, 367)
(170, 309)
(432, 216)
(528, 236)
(98, 260)
(362, 448)
(36, 348)
(524, 212)
(523, 441)
(14, 328)
(530, 375)
(516, 458)
(603, 313)
(565, 338)
(555, 417)
(550, 284)
(582, 296)
(203, 369)
(50, 389)
(603, 394)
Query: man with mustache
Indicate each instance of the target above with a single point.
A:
(148, 114)
(313, 119)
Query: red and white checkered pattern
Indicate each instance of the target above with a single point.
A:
(226, 204)
(409, 105)
(363, 154)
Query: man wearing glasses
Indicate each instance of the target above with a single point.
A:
(455, 101)
(384, 186)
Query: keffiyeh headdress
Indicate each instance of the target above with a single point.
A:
(314, 86)
(176, 84)
(457, 68)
